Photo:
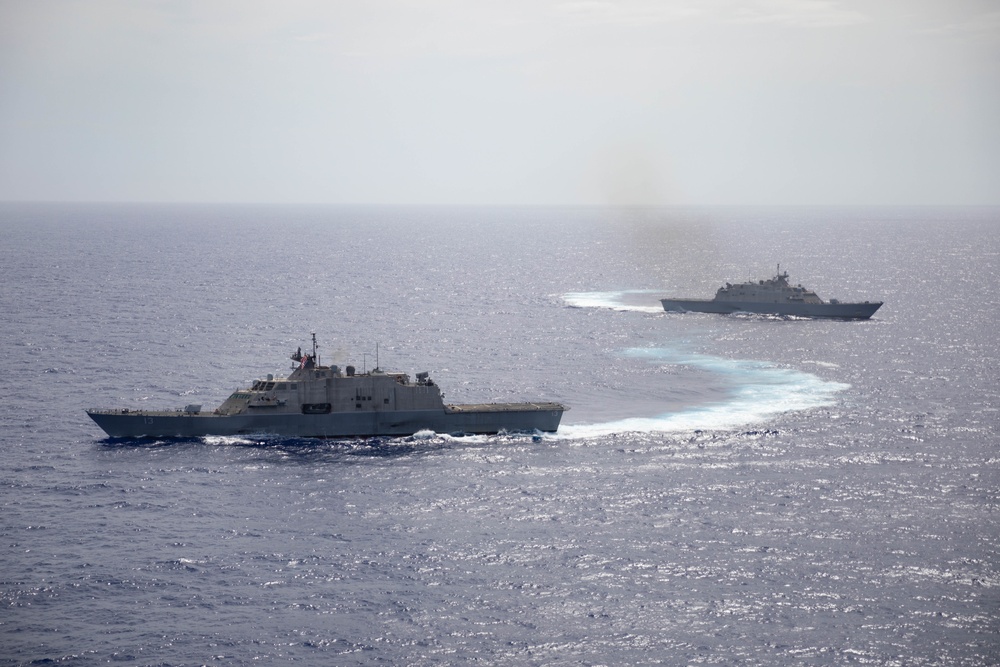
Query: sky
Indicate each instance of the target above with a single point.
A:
(508, 102)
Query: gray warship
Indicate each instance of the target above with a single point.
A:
(317, 401)
(774, 296)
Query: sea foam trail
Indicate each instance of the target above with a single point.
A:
(642, 301)
(758, 391)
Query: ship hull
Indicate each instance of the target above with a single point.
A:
(850, 311)
(456, 419)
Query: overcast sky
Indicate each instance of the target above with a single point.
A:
(501, 102)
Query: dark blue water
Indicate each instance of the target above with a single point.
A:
(726, 490)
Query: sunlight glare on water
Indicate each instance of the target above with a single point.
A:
(723, 490)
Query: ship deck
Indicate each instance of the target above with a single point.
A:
(151, 413)
(504, 407)
(453, 409)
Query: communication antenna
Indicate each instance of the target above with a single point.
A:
(315, 358)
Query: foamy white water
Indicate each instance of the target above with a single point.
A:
(759, 391)
(624, 300)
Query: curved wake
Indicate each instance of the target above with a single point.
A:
(757, 391)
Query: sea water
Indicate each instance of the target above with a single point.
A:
(725, 490)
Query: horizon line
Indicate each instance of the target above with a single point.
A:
(154, 202)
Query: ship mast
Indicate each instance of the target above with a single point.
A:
(315, 358)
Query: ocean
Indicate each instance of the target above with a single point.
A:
(725, 490)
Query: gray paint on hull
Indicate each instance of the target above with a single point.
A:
(455, 419)
(858, 311)
(774, 296)
(317, 401)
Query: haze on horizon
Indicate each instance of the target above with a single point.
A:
(578, 102)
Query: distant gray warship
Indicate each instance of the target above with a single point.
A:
(317, 401)
(774, 296)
